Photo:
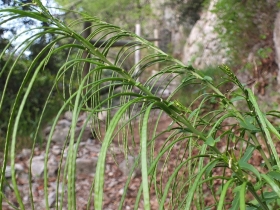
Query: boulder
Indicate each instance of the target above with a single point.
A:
(63, 123)
(68, 116)
(203, 47)
(56, 150)
(86, 166)
(127, 165)
(60, 135)
(52, 166)
(37, 166)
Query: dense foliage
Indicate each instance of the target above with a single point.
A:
(245, 25)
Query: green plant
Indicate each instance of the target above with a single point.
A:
(226, 175)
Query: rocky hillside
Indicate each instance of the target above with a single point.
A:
(241, 34)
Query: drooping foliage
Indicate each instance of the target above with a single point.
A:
(201, 165)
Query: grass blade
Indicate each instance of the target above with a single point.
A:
(223, 194)
(144, 158)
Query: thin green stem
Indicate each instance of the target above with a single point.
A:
(267, 162)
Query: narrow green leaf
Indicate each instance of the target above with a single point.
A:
(265, 124)
(247, 124)
(248, 153)
(210, 141)
(269, 196)
(144, 158)
(258, 185)
(237, 98)
(16, 124)
(223, 194)
(195, 186)
(218, 123)
(207, 78)
(235, 202)
(248, 167)
(242, 196)
(185, 130)
(99, 176)
(274, 175)
(209, 169)
(273, 185)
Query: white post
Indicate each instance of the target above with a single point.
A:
(137, 49)
(156, 37)
(156, 44)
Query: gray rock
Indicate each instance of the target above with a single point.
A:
(51, 199)
(61, 130)
(87, 133)
(127, 165)
(164, 93)
(52, 167)
(96, 148)
(26, 153)
(18, 169)
(82, 117)
(60, 135)
(86, 166)
(37, 166)
(203, 47)
(102, 115)
(63, 123)
(8, 172)
(68, 115)
(56, 150)
(47, 131)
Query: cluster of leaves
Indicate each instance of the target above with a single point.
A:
(15, 67)
(242, 185)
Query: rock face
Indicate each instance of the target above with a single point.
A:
(170, 29)
(203, 48)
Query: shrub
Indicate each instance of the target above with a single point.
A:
(203, 167)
